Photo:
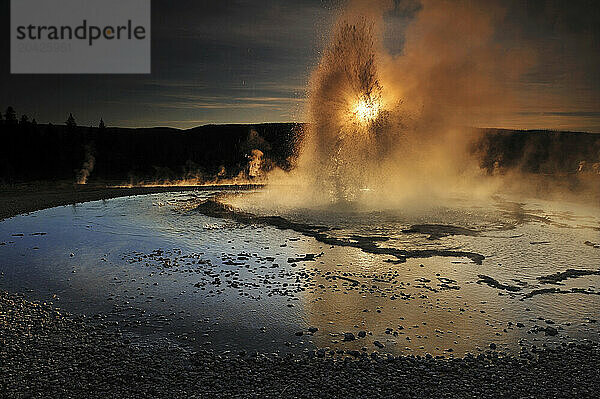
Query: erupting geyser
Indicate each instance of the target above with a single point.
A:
(347, 113)
(403, 124)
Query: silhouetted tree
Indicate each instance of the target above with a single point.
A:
(10, 115)
(34, 122)
(24, 120)
(71, 121)
(101, 125)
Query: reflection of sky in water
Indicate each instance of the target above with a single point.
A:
(226, 282)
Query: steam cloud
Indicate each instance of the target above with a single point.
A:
(87, 168)
(389, 129)
(252, 172)
(255, 163)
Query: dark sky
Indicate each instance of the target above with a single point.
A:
(249, 61)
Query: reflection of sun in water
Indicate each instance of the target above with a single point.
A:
(366, 110)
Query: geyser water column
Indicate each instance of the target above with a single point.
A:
(347, 114)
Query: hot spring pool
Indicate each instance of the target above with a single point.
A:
(445, 280)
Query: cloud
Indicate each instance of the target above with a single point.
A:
(241, 49)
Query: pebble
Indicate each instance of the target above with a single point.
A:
(348, 336)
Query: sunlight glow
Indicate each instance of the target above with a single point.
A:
(366, 110)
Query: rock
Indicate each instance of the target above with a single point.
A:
(299, 333)
(362, 334)
(349, 336)
(313, 329)
(551, 331)
(493, 346)
(378, 344)
(321, 352)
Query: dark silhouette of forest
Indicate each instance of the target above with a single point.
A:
(538, 151)
(32, 151)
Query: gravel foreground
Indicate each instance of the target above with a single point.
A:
(45, 353)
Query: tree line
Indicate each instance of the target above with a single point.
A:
(10, 118)
(536, 151)
(36, 151)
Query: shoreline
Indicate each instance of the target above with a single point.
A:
(35, 196)
(47, 353)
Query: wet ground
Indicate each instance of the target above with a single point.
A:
(214, 269)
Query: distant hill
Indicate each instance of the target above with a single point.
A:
(44, 151)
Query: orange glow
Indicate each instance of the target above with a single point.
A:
(237, 181)
(366, 110)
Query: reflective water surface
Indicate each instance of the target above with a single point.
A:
(167, 265)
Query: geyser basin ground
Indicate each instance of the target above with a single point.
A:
(180, 266)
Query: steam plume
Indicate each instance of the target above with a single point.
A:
(87, 168)
(255, 163)
(392, 127)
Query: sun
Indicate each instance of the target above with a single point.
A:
(366, 110)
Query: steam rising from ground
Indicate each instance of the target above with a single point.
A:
(255, 163)
(87, 167)
(250, 173)
(389, 130)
